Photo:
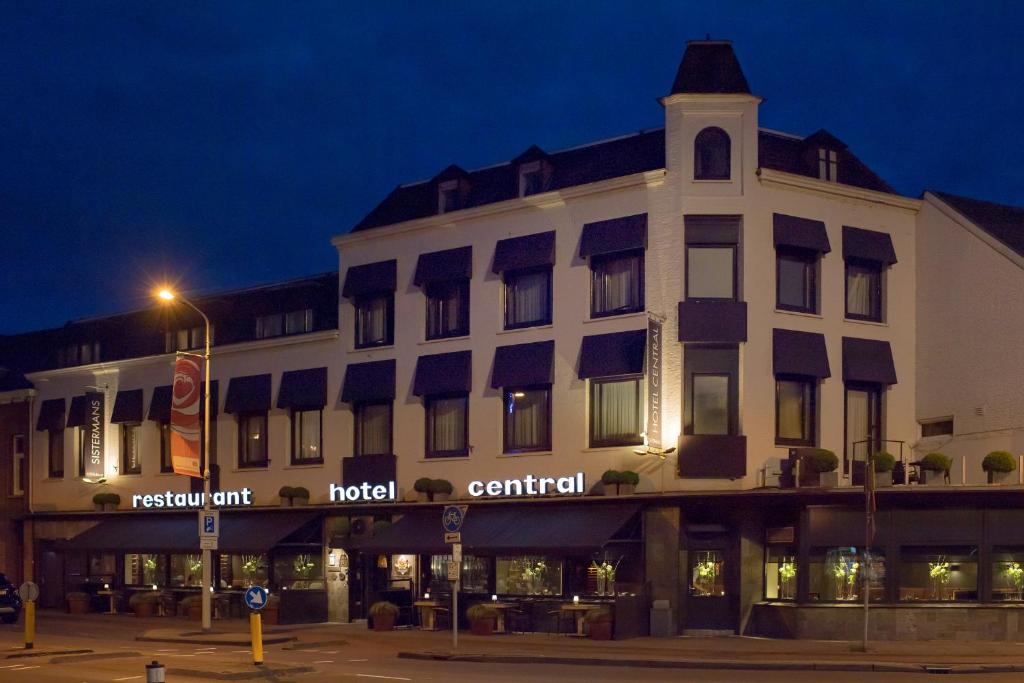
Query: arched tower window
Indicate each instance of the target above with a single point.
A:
(711, 155)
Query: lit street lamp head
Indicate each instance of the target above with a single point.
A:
(165, 294)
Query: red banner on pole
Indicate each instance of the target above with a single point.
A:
(186, 421)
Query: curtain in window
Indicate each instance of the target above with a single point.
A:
(446, 425)
(373, 320)
(444, 309)
(794, 406)
(254, 438)
(710, 404)
(526, 419)
(165, 447)
(130, 449)
(307, 435)
(860, 287)
(56, 437)
(616, 411)
(858, 417)
(617, 284)
(373, 429)
(527, 297)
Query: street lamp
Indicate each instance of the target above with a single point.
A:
(167, 295)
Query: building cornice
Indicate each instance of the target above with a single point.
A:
(703, 98)
(794, 181)
(544, 200)
(227, 349)
(970, 226)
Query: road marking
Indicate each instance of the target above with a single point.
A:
(359, 660)
(180, 655)
(9, 666)
(390, 678)
(330, 652)
(127, 678)
(240, 651)
(324, 661)
(25, 668)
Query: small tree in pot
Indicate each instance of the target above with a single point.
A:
(300, 495)
(441, 489)
(482, 619)
(999, 465)
(192, 607)
(611, 480)
(286, 493)
(273, 609)
(627, 482)
(106, 501)
(78, 602)
(599, 623)
(824, 463)
(935, 469)
(383, 615)
(422, 488)
(883, 464)
(144, 603)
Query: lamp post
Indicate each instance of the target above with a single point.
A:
(167, 295)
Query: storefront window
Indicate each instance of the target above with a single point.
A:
(299, 571)
(837, 574)
(707, 574)
(242, 571)
(145, 570)
(186, 571)
(780, 573)
(102, 567)
(529, 575)
(475, 576)
(939, 573)
(1008, 574)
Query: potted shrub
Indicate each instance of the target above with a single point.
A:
(192, 607)
(627, 482)
(824, 463)
(599, 623)
(883, 464)
(441, 489)
(144, 603)
(286, 493)
(111, 501)
(97, 501)
(169, 603)
(935, 469)
(482, 619)
(422, 488)
(383, 614)
(999, 465)
(300, 495)
(78, 602)
(272, 610)
(611, 480)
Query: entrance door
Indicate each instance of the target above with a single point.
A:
(863, 423)
(711, 586)
(50, 578)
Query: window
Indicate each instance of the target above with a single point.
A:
(447, 309)
(372, 428)
(796, 283)
(864, 291)
(375, 320)
(707, 574)
(447, 427)
(528, 575)
(795, 411)
(474, 576)
(617, 283)
(863, 422)
(710, 390)
(616, 408)
(186, 571)
(131, 461)
(448, 196)
(527, 297)
(165, 447)
(828, 164)
(145, 570)
(1007, 574)
(307, 437)
(712, 155)
(297, 322)
(242, 571)
(102, 567)
(527, 419)
(80, 449)
(836, 574)
(710, 404)
(780, 572)
(55, 442)
(18, 472)
(187, 338)
(252, 440)
(711, 271)
(269, 326)
(943, 427)
(940, 573)
(531, 179)
(81, 353)
(299, 571)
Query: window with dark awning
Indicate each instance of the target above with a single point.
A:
(443, 373)
(51, 415)
(366, 382)
(712, 229)
(76, 412)
(799, 353)
(868, 245)
(615, 235)
(523, 365)
(608, 355)
(370, 278)
(529, 251)
(302, 389)
(444, 266)
(160, 404)
(250, 394)
(800, 233)
(868, 360)
(127, 407)
(547, 529)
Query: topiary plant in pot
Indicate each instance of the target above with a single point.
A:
(441, 489)
(627, 482)
(192, 607)
(824, 463)
(999, 465)
(286, 493)
(482, 619)
(935, 469)
(300, 495)
(883, 464)
(383, 615)
(78, 602)
(144, 603)
(422, 488)
(611, 480)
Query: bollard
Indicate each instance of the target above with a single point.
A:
(30, 623)
(155, 672)
(256, 630)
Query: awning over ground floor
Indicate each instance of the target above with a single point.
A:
(576, 530)
(251, 532)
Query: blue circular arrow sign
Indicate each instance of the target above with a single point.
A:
(256, 597)
(452, 518)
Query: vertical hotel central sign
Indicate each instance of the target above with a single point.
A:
(185, 417)
(654, 360)
(94, 432)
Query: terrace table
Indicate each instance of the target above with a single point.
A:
(502, 609)
(112, 595)
(578, 610)
(428, 610)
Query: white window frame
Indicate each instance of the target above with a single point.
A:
(442, 193)
(18, 445)
(527, 169)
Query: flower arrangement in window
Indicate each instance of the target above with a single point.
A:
(787, 574)
(303, 566)
(938, 573)
(250, 565)
(605, 573)
(844, 572)
(195, 563)
(149, 569)
(707, 575)
(1015, 573)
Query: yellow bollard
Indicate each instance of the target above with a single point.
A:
(256, 630)
(30, 623)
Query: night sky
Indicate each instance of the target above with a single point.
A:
(222, 144)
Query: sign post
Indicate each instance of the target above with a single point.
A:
(451, 522)
(29, 593)
(255, 600)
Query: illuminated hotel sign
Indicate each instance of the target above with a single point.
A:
(94, 426)
(363, 493)
(653, 383)
(528, 486)
(173, 500)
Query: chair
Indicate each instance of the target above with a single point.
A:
(557, 614)
(442, 618)
(519, 620)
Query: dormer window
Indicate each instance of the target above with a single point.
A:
(828, 165)
(531, 179)
(448, 196)
(712, 155)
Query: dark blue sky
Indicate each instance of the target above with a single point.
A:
(224, 143)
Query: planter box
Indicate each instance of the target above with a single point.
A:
(109, 507)
(270, 615)
(600, 630)
(1002, 477)
(384, 622)
(828, 480)
(145, 609)
(422, 497)
(442, 497)
(286, 502)
(195, 612)
(627, 489)
(78, 606)
(611, 489)
(883, 479)
(482, 627)
(98, 507)
(933, 478)
(299, 502)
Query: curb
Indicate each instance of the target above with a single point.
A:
(764, 665)
(44, 653)
(272, 640)
(263, 673)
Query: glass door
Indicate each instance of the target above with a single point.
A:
(863, 424)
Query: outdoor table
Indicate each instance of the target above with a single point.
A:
(578, 610)
(501, 608)
(111, 595)
(428, 609)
